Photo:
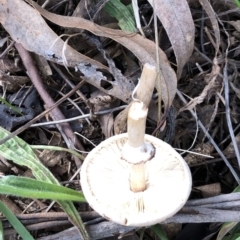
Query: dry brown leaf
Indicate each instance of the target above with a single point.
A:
(178, 23)
(235, 24)
(50, 157)
(210, 84)
(141, 47)
(202, 148)
(212, 16)
(36, 36)
(12, 83)
(42, 65)
(26, 26)
(171, 229)
(210, 190)
(229, 152)
(235, 89)
(100, 101)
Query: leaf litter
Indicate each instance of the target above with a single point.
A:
(192, 55)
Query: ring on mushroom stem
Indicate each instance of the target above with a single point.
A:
(133, 178)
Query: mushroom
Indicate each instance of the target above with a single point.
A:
(135, 179)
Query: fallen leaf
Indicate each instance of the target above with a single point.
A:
(99, 101)
(202, 148)
(210, 190)
(51, 158)
(177, 20)
(212, 16)
(143, 48)
(235, 24)
(229, 152)
(226, 228)
(36, 36)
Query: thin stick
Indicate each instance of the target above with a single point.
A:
(159, 89)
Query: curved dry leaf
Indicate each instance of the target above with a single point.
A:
(36, 36)
(212, 16)
(193, 158)
(26, 26)
(177, 20)
(141, 47)
(210, 190)
(229, 152)
(235, 24)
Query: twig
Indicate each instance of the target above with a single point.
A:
(56, 113)
(7, 49)
(217, 199)
(226, 91)
(79, 117)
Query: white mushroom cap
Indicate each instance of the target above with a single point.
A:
(105, 181)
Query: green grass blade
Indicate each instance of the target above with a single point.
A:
(237, 3)
(74, 217)
(21, 230)
(228, 226)
(158, 230)
(121, 12)
(31, 188)
(55, 148)
(18, 151)
(21, 153)
(1, 231)
(10, 106)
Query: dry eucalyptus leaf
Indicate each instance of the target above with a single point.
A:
(100, 101)
(12, 83)
(229, 152)
(178, 23)
(210, 190)
(222, 4)
(172, 229)
(235, 89)
(36, 36)
(141, 47)
(3, 41)
(50, 157)
(212, 16)
(202, 148)
(42, 65)
(235, 24)
(26, 26)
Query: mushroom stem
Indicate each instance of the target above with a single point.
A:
(144, 92)
(137, 177)
(137, 116)
(147, 83)
(136, 151)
